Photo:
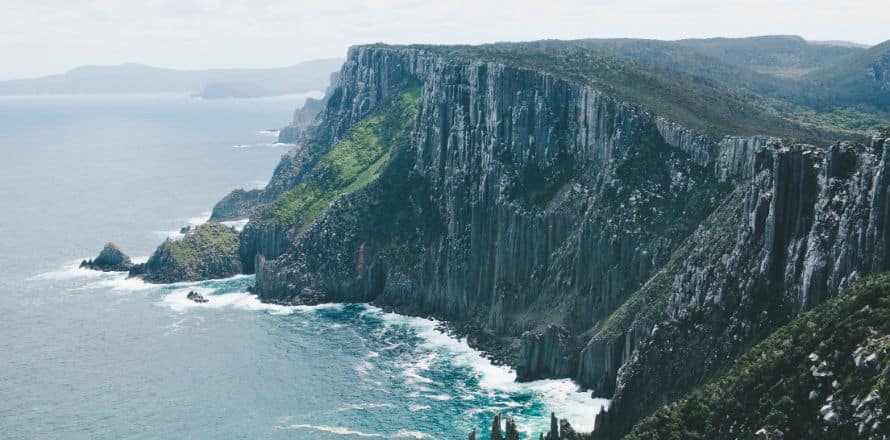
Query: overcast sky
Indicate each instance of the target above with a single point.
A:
(39, 37)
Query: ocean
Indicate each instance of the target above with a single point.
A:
(90, 355)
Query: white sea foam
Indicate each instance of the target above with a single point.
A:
(411, 434)
(178, 301)
(272, 133)
(176, 234)
(333, 430)
(341, 430)
(264, 145)
(361, 406)
(237, 224)
(95, 279)
(119, 282)
(561, 395)
(69, 271)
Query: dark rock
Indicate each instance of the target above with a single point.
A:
(512, 432)
(496, 428)
(110, 259)
(237, 205)
(813, 222)
(548, 354)
(307, 115)
(196, 297)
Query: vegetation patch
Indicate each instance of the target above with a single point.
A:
(206, 252)
(826, 375)
(353, 163)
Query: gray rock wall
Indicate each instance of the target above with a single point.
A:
(816, 222)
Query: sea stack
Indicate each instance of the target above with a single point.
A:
(110, 259)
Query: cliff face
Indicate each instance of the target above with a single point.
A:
(612, 245)
(531, 201)
(824, 375)
(813, 222)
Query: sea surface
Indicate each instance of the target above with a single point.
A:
(89, 355)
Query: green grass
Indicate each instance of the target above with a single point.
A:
(206, 240)
(353, 163)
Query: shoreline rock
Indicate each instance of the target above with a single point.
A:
(196, 297)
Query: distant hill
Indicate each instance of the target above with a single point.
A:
(781, 55)
(212, 83)
(860, 78)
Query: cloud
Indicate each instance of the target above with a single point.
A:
(50, 36)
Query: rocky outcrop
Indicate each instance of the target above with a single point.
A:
(209, 251)
(306, 115)
(110, 259)
(547, 354)
(236, 205)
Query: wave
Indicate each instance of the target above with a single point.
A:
(72, 271)
(270, 132)
(411, 435)
(179, 302)
(561, 395)
(176, 234)
(237, 224)
(340, 430)
(68, 271)
(264, 145)
(361, 406)
(333, 430)
(229, 293)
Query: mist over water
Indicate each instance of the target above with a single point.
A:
(96, 355)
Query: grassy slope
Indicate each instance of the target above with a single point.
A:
(206, 240)
(769, 387)
(353, 163)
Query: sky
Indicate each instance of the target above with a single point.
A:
(40, 37)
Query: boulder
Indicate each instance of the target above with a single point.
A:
(196, 297)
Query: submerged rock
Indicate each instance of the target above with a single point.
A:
(110, 259)
(196, 297)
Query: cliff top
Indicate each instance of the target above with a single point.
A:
(685, 85)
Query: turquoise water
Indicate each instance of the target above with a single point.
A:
(98, 356)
